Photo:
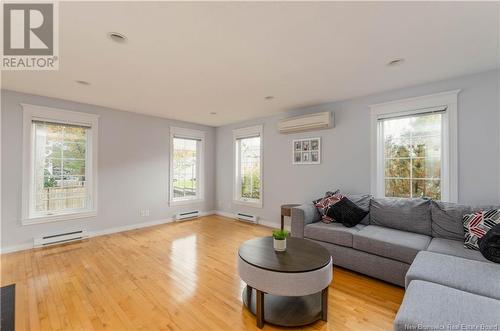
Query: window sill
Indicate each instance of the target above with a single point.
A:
(58, 218)
(255, 204)
(185, 202)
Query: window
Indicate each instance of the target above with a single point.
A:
(412, 153)
(186, 184)
(248, 166)
(415, 152)
(59, 164)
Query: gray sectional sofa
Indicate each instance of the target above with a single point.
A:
(416, 243)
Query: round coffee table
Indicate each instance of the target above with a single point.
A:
(291, 287)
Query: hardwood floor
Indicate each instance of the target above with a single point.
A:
(179, 276)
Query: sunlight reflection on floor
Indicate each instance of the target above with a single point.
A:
(184, 258)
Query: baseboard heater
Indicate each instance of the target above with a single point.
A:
(246, 217)
(187, 215)
(60, 238)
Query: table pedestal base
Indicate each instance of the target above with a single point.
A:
(288, 311)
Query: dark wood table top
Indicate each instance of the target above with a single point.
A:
(301, 255)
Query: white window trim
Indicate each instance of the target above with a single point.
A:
(189, 134)
(32, 112)
(243, 133)
(449, 175)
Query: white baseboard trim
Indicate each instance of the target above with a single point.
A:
(269, 224)
(115, 229)
(261, 221)
(207, 213)
(225, 214)
(16, 248)
(140, 225)
(128, 227)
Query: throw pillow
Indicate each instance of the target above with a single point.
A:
(477, 224)
(346, 212)
(489, 244)
(327, 194)
(363, 202)
(330, 201)
(322, 203)
(330, 193)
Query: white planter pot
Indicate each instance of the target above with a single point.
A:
(279, 245)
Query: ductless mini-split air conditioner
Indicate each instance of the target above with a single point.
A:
(310, 122)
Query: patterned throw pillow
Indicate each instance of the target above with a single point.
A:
(324, 204)
(320, 205)
(476, 225)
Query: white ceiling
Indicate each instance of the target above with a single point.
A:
(185, 60)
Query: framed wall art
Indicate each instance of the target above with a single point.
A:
(307, 151)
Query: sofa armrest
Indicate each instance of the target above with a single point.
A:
(301, 216)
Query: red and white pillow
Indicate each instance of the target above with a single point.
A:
(320, 205)
(325, 203)
(477, 224)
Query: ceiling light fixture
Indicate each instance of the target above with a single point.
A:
(82, 82)
(395, 62)
(269, 97)
(118, 37)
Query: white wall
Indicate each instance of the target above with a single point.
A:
(346, 149)
(133, 170)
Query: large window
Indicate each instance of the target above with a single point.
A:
(186, 184)
(248, 166)
(412, 153)
(415, 148)
(60, 164)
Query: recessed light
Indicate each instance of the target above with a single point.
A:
(269, 97)
(213, 113)
(82, 82)
(395, 62)
(118, 37)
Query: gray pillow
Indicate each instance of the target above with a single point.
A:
(447, 220)
(412, 215)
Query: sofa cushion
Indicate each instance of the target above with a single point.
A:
(454, 248)
(447, 220)
(463, 274)
(363, 202)
(334, 233)
(429, 306)
(380, 267)
(413, 215)
(391, 243)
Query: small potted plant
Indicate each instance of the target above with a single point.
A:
(279, 240)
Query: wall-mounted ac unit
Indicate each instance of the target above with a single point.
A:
(187, 215)
(246, 217)
(306, 123)
(60, 238)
